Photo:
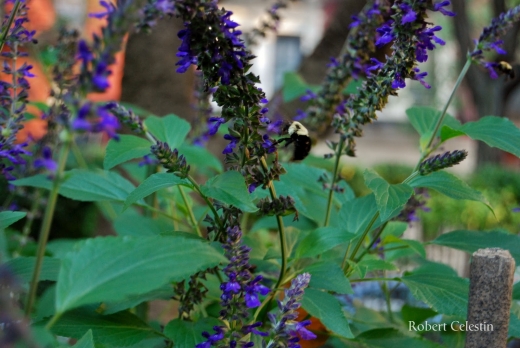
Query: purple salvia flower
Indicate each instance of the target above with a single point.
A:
(490, 40)
(268, 144)
(46, 161)
(440, 7)
(239, 293)
(409, 15)
(285, 330)
(214, 124)
(233, 143)
(386, 34)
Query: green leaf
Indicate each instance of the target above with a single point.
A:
(392, 241)
(23, 268)
(84, 185)
(394, 228)
(230, 188)
(376, 265)
(119, 330)
(514, 325)
(516, 291)
(447, 133)
(327, 309)
(391, 338)
(163, 293)
(449, 185)
(328, 276)
(471, 241)
(444, 293)
(8, 218)
(389, 198)
(170, 128)
(495, 131)
(200, 157)
(87, 341)
(294, 86)
(355, 215)
(154, 183)
(126, 148)
(322, 239)
(188, 334)
(133, 224)
(416, 314)
(105, 269)
(423, 119)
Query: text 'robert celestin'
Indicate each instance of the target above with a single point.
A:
(455, 326)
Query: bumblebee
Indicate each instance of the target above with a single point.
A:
(299, 135)
(506, 69)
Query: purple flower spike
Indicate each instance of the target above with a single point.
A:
(46, 162)
(440, 7)
(233, 143)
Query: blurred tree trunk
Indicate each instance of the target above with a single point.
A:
(314, 66)
(150, 80)
(489, 96)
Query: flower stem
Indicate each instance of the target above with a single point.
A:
(10, 21)
(428, 148)
(360, 241)
(190, 212)
(46, 227)
(281, 229)
(339, 151)
(206, 199)
(374, 240)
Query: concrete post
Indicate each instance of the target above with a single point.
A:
(490, 292)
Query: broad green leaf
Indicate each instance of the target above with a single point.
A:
(154, 183)
(294, 86)
(328, 276)
(105, 269)
(423, 119)
(495, 131)
(445, 294)
(516, 291)
(448, 132)
(188, 334)
(118, 330)
(394, 228)
(84, 185)
(392, 338)
(126, 148)
(8, 218)
(416, 314)
(163, 293)
(376, 265)
(23, 268)
(133, 224)
(327, 309)
(514, 325)
(170, 128)
(356, 214)
(449, 185)
(471, 241)
(389, 198)
(431, 267)
(392, 241)
(87, 341)
(200, 157)
(230, 188)
(322, 239)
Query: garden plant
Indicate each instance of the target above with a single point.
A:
(251, 248)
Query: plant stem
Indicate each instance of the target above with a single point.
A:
(10, 21)
(360, 241)
(206, 199)
(374, 240)
(339, 151)
(190, 211)
(281, 229)
(46, 227)
(30, 219)
(428, 148)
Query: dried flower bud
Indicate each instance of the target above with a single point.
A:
(170, 159)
